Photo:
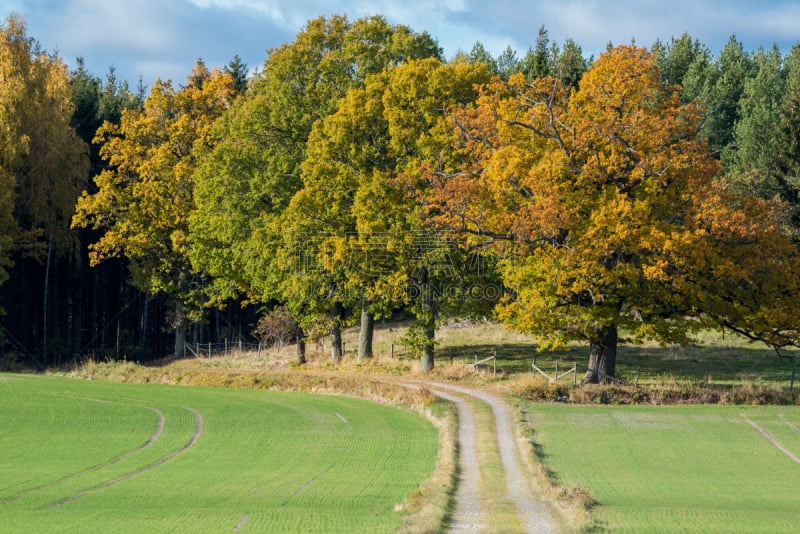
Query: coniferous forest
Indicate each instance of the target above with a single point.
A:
(643, 194)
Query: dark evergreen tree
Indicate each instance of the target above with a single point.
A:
(238, 71)
(507, 63)
(479, 54)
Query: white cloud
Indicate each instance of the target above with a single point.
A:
(265, 7)
(143, 36)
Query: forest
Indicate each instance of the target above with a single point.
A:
(358, 175)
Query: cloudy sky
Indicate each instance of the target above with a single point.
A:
(162, 38)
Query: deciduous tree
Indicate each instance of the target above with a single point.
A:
(43, 163)
(245, 184)
(144, 199)
(609, 214)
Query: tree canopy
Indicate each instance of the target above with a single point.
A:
(607, 210)
(644, 194)
(145, 198)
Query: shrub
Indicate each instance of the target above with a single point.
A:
(277, 328)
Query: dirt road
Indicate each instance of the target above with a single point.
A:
(471, 514)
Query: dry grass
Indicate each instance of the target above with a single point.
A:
(573, 506)
(670, 392)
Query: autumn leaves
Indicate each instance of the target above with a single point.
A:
(593, 209)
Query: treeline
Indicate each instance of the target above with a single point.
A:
(359, 174)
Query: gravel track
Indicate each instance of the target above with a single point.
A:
(470, 515)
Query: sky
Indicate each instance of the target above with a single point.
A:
(152, 39)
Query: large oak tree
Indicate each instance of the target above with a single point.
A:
(610, 214)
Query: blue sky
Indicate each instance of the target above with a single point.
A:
(163, 38)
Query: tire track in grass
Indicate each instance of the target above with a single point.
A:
(534, 515)
(241, 523)
(775, 443)
(113, 461)
(793, 427)
(322, 473)
(198, 421)
(345, 421)
(308, 483)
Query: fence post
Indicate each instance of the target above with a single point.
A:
(259, 351)
(556, 375)
(494, 365)
(209, 349)
(791, 383)
(636, 385)
(226, 346)
(707, 377)
(197, 346)
(392, 349)
(575, 374)
(240, 344)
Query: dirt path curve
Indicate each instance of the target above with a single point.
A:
(534, 515)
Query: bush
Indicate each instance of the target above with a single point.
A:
(277, 328)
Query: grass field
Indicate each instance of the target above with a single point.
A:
(677, 468)
(91, 456)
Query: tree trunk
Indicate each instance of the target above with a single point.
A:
(44, 300)
(337, 352)
(427, 359)
(428, 318)
(602, 357)
(180, 331)
(143, 331)
(301, 348)
(365, 336)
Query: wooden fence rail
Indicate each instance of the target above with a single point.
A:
(556, 375)
(477, 363)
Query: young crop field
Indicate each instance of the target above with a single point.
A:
(677, 468)
(91, 456)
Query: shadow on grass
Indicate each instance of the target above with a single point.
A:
(700, 364)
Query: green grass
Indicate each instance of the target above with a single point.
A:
(256, 461)
(676, 468)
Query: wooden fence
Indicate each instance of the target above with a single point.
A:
(556, 375)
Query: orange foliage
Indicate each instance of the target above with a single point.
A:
(609, 211)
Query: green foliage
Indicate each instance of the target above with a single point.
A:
(353, 210)
(722, 91)
(479, 55)
(245, 184)
(676, 58)
(145, 198)
(237, 70)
